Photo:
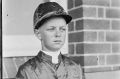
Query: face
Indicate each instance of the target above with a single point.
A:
(52, 34)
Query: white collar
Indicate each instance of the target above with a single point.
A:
(54, 55)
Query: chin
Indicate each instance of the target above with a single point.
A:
(57, 47)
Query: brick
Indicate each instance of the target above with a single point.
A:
(116, 68)
(97, 48)
(113, 59)
(116, 25)
(96, 2)
(101, 36)
(10, 66)
(113, 36)
(79, 25)
(78, 59)
(76, 13)
(78, 2)
(90, 36)
(97, 69)
(79, 48)
(100, 12)
(89, 11)
(71, 26)
(70, 4)
(113, 13)
(96, 24)
(115, 3)
(90, 60)
(101, 60)
(19, 61)
(71, 49)
(75, 37)
(116, 48)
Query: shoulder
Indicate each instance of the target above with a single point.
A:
(68, 60)
(74, 69)
(71, 62)
(31, 63)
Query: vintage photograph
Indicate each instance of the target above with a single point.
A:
(60, 39)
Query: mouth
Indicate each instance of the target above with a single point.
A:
(57, 41)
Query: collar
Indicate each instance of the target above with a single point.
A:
(43, 56)
(54, 55)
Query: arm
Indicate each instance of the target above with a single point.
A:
(82, 73)
(76, 72)
(21, 74)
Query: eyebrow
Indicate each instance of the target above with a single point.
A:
(55, 26)
(63, 26)
(52, 26)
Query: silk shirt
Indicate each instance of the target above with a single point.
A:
(41, 67)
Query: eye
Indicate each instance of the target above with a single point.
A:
(63, 29)
(50, 29)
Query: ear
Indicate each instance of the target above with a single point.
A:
(37, 33)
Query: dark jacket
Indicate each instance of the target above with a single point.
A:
(41, 67)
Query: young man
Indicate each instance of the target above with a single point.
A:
(50, 22)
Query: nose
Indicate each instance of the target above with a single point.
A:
(57, 33)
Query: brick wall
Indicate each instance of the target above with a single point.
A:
(94, 34)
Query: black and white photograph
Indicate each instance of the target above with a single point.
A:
(60, 39)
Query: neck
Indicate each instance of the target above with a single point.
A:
(54, 53)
